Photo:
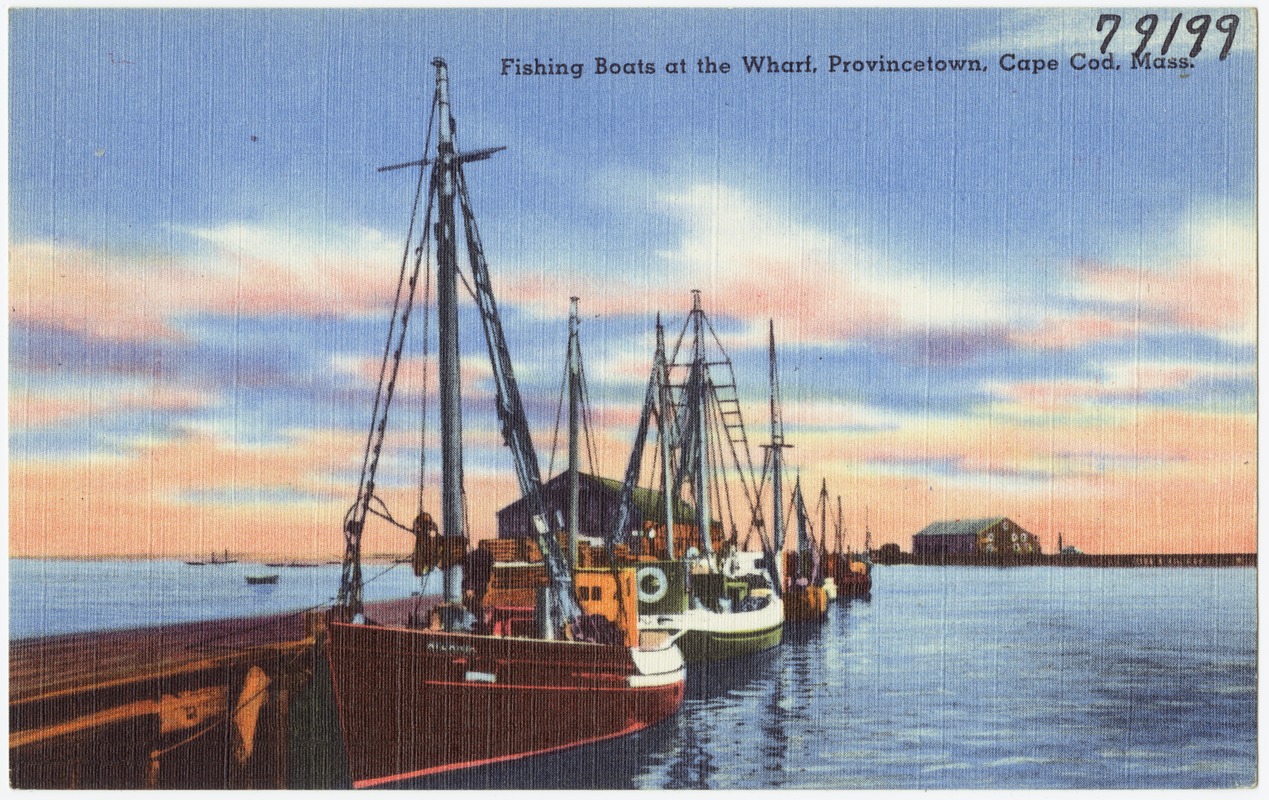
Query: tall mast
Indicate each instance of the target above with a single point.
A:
(667, 478)
(777, 456)
(574, 402)
(447, 329)
(700, 373)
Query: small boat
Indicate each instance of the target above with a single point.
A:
(262, 580)
(805, 598)
(214, 561)
(851, 572)
(466, 686)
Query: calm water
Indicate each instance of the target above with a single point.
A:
(947, 678)
(53, 596)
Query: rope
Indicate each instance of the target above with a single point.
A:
(559, 409)
(586, 410)
(427, 317)
(351, 583)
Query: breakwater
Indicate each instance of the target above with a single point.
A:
(1071, 560)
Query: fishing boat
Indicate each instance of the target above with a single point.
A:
(713, 607)
(804, 595)
(460, 687)
(828, 579)
(214, 561)
(852, 573)
(261, 580)
(696, 585)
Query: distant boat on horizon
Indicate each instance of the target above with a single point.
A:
(214, 561)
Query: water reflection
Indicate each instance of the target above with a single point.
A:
(957, 678)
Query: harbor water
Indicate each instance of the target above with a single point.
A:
(947, 677)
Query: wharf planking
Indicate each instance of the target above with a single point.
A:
(235, 703)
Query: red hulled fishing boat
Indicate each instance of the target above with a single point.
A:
(463, 687)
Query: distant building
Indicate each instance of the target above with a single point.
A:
(993, 535)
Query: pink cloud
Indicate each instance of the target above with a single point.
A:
(252, 270)
(1061, 333)
(1191, 295)
(34, 408)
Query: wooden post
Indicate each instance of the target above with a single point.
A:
(282, 739)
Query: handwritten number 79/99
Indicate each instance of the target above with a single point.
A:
(1197, 25)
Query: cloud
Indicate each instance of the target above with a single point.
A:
(59, 405)
(1203, 279)
(240, 270)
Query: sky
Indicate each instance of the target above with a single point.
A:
(995, 292)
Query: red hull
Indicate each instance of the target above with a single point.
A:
(415, 702)
(849, 582)
(854, 584)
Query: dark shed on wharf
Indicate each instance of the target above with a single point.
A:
(987, 536)
(598, 500)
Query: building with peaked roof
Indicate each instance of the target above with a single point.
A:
(991, 535)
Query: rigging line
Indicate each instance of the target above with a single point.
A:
(672, 362)
(387, 517)
(396, 302)
(559, 410)
(466, 515)
(380, 429)
(712, 464)
(427, 314)
(722, 459)
(722, 470)
(351, 583)
(587, 424)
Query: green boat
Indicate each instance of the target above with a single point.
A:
(710, 615)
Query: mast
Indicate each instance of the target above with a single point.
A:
(448, 185)
(574, 402)
(777, 456)
(799, 511)
(823, 512)
(563, 607)
(867, 537)
(839, 523)
(662, 379)
(701, 382)
(445, 185)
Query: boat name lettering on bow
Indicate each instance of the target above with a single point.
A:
(452, 648)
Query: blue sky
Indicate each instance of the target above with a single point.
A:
(200, 243)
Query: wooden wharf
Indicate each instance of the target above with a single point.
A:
(224, 704)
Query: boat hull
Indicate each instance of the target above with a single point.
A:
(710, 636)
(805, 604)
(414, 702)
(854, 585)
